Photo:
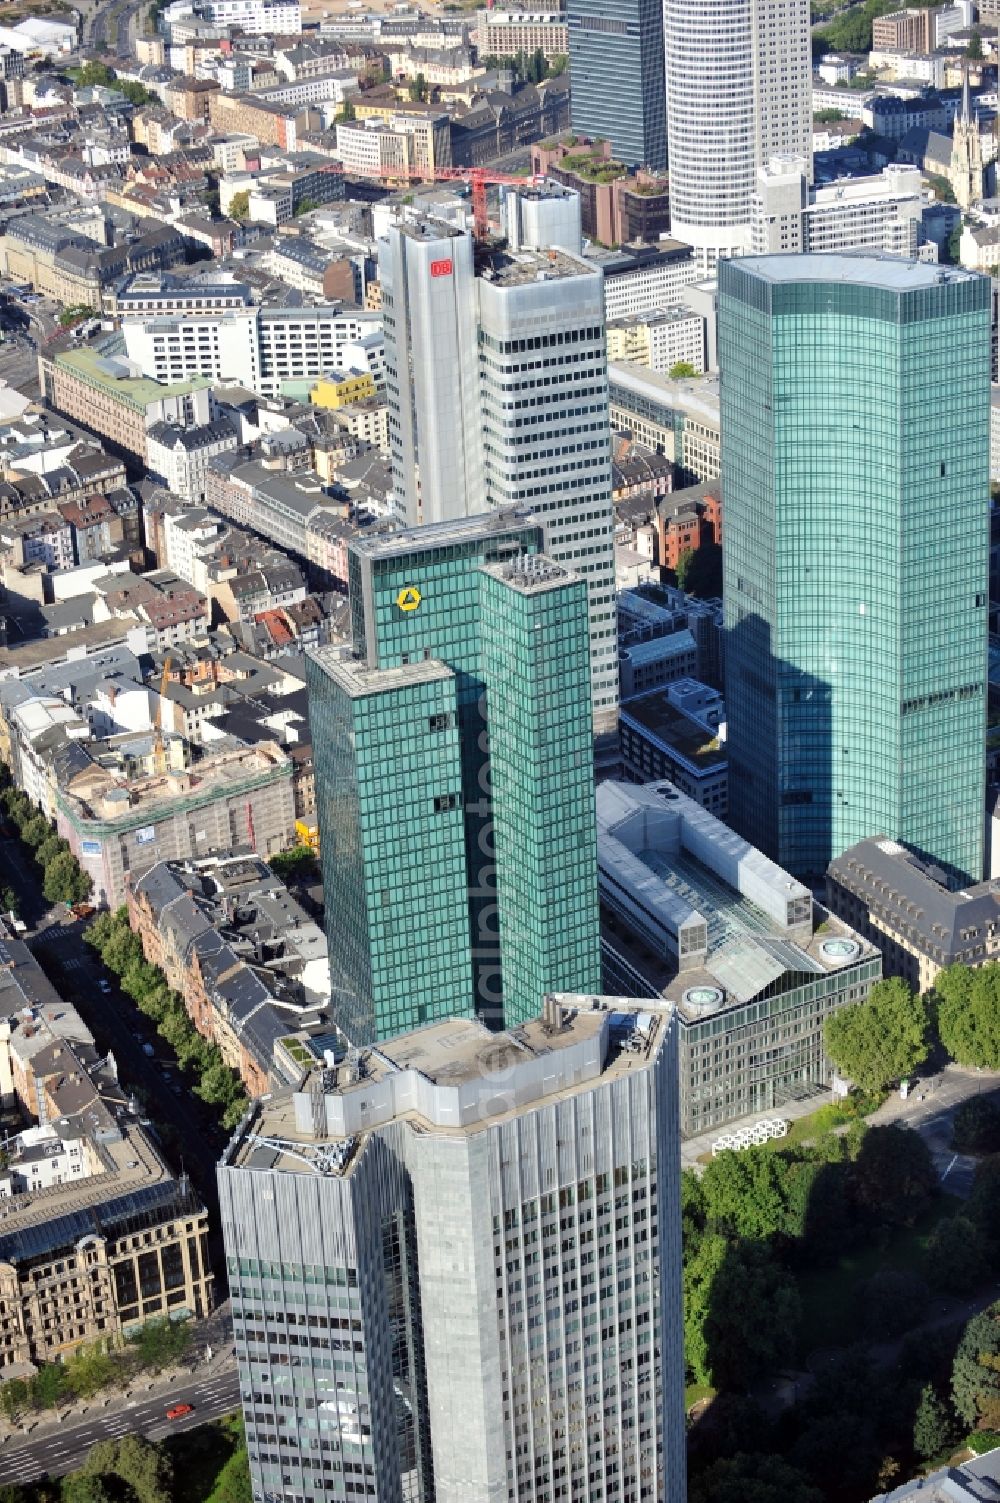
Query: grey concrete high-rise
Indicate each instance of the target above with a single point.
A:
(429, 313)
(619, 88)
(455, 1267)
(739, 81)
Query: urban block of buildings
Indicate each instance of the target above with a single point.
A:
(750, 963)
(97, 1235)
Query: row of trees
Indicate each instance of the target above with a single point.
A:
(885, 1038)
(121, 951)
(527, 67)
(157, 1345)
(63, 879)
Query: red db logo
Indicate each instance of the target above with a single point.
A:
(441, 268)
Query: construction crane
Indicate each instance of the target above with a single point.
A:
(159, 750)
(478, 179)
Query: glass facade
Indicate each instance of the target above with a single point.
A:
(442, 564)
(536, 659)
(855, 466)
(389, 777)
(609, 47)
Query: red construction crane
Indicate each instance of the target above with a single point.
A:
(478, 179)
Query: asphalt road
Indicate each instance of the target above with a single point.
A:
(930, 1109)
(65, 1450)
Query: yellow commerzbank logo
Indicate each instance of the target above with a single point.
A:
(409, 598)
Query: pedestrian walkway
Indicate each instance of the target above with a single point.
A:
(695, 1149)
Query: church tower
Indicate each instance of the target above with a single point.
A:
(966, 172)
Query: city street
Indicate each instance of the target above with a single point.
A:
(194, 1137)
(64, 1450)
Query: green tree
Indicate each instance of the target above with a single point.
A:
(893, 1177)
(975, 1374)
(418, 89)
(983, 1205)
(232, 1485)
(744, 1194)
(975, 47)
(827, 117)
(81, 1488)
(9, 901)
(934, 1428)
(36, 829)
(300, 861)
(91, 1369)
(94, 74)
(346, 113)
(892, 1301)
(48, 1385)
(881, 1039)
(141, 1465)
(682, 370)
(956, 1255)
(975, 1126)
(64, 882)
(13, 1397)
(236, 1110)
(51, 846)
(741, 1313)
(239, 205)
(306, 206)
(968, 1014)
(752, 1479)
(135, 93)
(684, 561)
(161, 1343)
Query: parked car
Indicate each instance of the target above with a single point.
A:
(148, 1050)
(104, 986)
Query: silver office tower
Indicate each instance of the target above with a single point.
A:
(739, 82)
(431, 374)
(455, 1267)
(529, 427)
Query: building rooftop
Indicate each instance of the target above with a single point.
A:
(451, 1077)
(114, 375)
(359, 681)
(891, 273)
(515, 268)
(532, 574)
(914, 897)
(719, 922)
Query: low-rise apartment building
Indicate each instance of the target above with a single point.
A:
(248, 961)
(678, 418)
(904, 906)
(110, 395)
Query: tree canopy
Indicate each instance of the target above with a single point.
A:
(975, 1377)
(882, 1039)
(968, 1013)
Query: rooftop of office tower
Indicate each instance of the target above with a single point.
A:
(453, 1076)
(514, 268)
(891, 273)
(390, 540)
(430, 229)
(532, 573)
(358, 679)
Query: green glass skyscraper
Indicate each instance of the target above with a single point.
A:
(855, 471)
(536, 661)
(424, 601)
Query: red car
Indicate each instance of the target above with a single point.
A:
(178, 1411)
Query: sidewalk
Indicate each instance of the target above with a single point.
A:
(215, 1332)
(692, 1149)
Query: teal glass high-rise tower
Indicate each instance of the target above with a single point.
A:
(414, 797)
(855, 471)
(536, 661)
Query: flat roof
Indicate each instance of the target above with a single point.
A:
(358, 680)
(870, 270)
(532, 574)
(139, 391)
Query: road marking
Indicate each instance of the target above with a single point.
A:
(949, 1168)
